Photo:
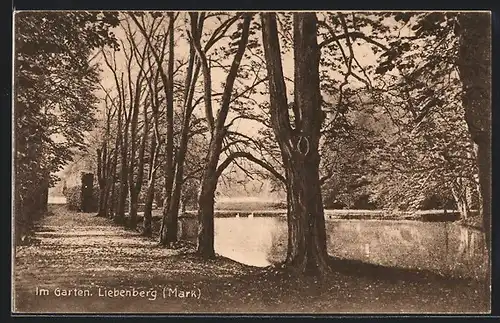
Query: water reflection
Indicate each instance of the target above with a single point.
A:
(256, 241)
(439, 246)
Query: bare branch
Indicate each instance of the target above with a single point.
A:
(250, 157)
(354, 35)
(219, 32)
(324, 178)
(207, 78)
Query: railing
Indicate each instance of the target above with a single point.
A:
(427, 215)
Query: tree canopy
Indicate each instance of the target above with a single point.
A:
(55, 80)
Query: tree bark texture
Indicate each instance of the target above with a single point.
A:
(474, 64)
(299, 144)
(205, 243)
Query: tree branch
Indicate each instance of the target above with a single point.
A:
(250, 157)
(207, 78)
(228, 89)
(354, 35)
(280, 117)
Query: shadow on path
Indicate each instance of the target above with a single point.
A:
(79, 253)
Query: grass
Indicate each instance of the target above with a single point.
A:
(76, 250)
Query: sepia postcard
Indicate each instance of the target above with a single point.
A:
(303, 162)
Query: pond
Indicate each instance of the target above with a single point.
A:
(444, 247)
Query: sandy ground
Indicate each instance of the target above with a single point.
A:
(79, 263)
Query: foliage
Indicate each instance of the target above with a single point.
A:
(54, 98)
(417, 139)
(55, 79)
(432, 150)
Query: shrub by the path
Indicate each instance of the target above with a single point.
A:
(74, 198)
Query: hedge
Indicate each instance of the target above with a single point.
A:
(73, 198)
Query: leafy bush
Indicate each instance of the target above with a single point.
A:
(73, 198)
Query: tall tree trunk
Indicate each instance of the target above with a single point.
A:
(123, 186)
(123, 183)
(173, 207)
(166, 203)
(104, 168)
(150, 191)
(206, 198)
(101, 180)
(205, 247)
(133, 193)
(26, 207)
(112, 185)
(307, 236)
(133, 207)
(299, 145)
(137, 186)
(458, 190)
(474, 64)
(169, 234)
(41, 195)
(168, 85)
(113, 205)
(148, 208)
(44, 202)
(107, 185)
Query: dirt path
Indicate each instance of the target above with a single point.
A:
(78, 250)
(81, 263)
